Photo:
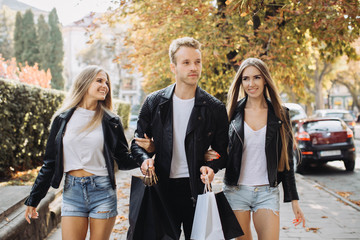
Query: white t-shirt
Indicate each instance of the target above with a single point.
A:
(253, 165)
(181, 114)
(84, 150)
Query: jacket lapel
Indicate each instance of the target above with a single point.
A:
(238, 119)
(197, 115)
(273, 123)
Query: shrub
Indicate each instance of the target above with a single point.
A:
(25, 113)
(123, 110)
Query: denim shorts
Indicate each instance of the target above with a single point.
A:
(91, 196)
(252, 198)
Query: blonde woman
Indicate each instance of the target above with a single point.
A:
(85, 139)
(260, 152)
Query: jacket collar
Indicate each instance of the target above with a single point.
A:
(199, 95)
(108, 115)
(67, 114)
(272, 118)
(273, 122)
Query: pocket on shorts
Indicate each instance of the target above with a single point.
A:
(275, 192)
(102, 183)
(67, 184)
(230, 189)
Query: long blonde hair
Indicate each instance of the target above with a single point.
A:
(270, 91)
(79, 89)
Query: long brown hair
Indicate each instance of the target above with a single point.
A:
(79, 89)
(270, 91)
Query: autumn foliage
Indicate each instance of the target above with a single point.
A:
(27, 74)
(281, 32)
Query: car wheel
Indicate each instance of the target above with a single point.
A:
(349, 164)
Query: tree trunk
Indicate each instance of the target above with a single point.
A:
(352, 90)
(318, 78)
(319, 97)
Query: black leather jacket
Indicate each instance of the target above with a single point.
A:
(272, 150)
(208, 126)
(52, 170)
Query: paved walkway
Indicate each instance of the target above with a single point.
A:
(326, 216)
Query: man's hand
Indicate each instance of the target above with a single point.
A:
(147, 164)
(146, 143)
(206, 171)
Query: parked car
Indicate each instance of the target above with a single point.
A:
(345, 115)
(133, 121)
(296, 111)
(321, 140)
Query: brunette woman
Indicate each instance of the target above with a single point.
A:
(260, 152)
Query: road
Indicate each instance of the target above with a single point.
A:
(334, 177)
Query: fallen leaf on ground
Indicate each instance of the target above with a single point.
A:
(344, 194)
(312, 229)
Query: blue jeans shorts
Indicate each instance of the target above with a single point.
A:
(252, 198)
(91, 196)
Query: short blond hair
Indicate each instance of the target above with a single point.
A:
(182, 42)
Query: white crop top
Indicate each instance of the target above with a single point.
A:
(84, 150)
(253, 165)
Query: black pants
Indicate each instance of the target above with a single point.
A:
(181, 204)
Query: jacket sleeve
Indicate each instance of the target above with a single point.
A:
(288, 181)
(43, 180)
(220, 140)
(123, 157)
(143, 126)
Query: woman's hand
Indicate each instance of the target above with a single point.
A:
(211, 155)
(146, 143)
(31, 213)
(299, 215)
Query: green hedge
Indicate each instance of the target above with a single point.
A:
(25, 114)
(122, 109)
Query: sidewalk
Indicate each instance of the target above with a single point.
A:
(326, 216)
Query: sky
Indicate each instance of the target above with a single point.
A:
(70, 10)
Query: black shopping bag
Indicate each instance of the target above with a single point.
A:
(230, 225)
(149, 217)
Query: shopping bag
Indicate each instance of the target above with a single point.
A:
(149, 216)
(230, 225)
(207, 224)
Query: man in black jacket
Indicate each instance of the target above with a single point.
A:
(184, 121)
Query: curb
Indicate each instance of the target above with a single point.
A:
(322, 187)
(16, 227)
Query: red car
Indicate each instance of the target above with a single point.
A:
(321, 140)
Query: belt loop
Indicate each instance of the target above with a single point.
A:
(92, 180)
(72, 180)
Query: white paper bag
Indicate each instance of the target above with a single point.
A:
(207, 225)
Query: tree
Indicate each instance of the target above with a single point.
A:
(28, 74)
(44, 43)
(317, 72)
(30, 52)
(56, 51)
(18, 38)
(278, 31)
(6, 49)
(110, 53)
(350, 78)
